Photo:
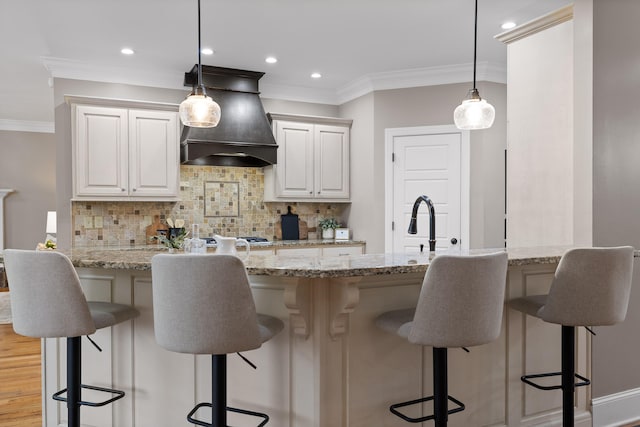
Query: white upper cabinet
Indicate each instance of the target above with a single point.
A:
(125, 154)
(313, 159)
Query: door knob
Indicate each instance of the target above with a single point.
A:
(454, 241)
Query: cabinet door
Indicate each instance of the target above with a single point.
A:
(331, 162)
(294, 173)
(153, 153)
(100, 149)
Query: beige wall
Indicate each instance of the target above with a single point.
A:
(616, 174)
(365, 222)
(27, 165)
(425, 106)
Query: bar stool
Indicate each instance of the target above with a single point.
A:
(202, 304)
(47, 302)
(591, 287)
(460, 305)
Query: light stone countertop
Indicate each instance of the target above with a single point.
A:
(312, 267)
(309, 266)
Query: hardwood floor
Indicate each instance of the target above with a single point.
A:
(20, 380)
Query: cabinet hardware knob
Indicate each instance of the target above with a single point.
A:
(122, 189)
(134, 189)
(454, 241)
(310, 192)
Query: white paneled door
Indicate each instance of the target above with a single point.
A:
(426, 161)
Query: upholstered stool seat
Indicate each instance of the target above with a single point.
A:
(591, 287)
(202, 304)
(47, 302)
(460, 305)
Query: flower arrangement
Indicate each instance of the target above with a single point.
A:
(172, 241)
(49, 245)
(328, 226)
(328, 223)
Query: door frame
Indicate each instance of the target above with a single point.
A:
(465, 176)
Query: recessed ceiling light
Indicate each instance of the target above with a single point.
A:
(508, 25)
(207, 51)
(127, 51)
(271, 60)
(316, 75)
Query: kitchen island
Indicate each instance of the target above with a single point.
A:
(330, 366)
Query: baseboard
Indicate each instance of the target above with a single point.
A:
(616, 409)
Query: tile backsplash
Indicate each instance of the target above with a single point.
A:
(223, 200)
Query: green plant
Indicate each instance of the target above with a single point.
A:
(172, 242)
(328, 223)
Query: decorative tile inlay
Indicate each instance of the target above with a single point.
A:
(238, 209)
(221, 198)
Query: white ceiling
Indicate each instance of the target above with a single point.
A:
(351, 42)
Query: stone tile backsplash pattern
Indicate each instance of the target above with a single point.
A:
(124, 223)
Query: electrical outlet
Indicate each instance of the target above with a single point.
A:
(97, 221)
(88, 222)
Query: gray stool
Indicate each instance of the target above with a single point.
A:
(460, 305)
(47, 302)
(591, 287)
(202, 304)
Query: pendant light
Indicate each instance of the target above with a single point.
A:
(199, 110)
(474, 112)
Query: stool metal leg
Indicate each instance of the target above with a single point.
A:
(219, 389)
(440, 390)
(74, 369)
(568, 372)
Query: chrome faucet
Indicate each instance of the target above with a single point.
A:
(413, 224)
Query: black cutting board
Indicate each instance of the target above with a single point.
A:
(290, 226)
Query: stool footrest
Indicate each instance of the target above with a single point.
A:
(118, 395)
(192, 420)
(393, 409)
(527, 379)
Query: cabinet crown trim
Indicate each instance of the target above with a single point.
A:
(121, 103)
(310, 119)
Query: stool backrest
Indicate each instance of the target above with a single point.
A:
(46, 298)
(202, 304)
(461, 301)
(591, 287)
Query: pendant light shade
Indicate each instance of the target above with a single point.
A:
(474, 112)
(199, 110)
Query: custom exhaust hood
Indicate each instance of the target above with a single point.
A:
(244, 136)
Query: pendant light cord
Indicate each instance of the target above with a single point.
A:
(200, 50)
(475, 44)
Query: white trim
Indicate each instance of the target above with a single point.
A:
(536, 25)
(465, 177)
(173, 79)
(616, 409)
(80, 70)
(26, 126)
(417, 77)
(4, 192)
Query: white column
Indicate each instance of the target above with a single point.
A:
(4, 192)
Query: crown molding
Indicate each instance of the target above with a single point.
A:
(431, 76)
(26, 126)
(298, 93)
(536, 25)
(460, 73)
(79, 70)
